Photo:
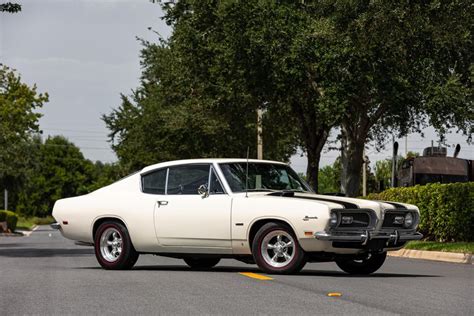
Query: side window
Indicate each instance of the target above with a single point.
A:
(154, 182)
(216, 187)
(187, 179)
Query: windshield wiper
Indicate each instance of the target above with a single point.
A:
(260, 190)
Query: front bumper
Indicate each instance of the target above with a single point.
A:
(363, 237)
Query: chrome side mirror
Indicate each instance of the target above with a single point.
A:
(202, 191)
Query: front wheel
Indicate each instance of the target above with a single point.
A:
(275, 249)
(113, 247)
(201, 263)
(367, 265)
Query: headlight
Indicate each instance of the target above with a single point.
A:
(333, 219)
(408, 220)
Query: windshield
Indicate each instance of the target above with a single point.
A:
(262, 177)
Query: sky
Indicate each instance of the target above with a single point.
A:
(84, 53)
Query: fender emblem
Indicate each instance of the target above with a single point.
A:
(307, 218)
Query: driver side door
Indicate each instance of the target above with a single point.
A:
(186, 219)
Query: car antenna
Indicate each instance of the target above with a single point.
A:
(247, 175)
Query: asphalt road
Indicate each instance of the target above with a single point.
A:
(47, 274)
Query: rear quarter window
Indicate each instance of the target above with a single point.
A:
(154, 182)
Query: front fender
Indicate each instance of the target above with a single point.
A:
(303, 216)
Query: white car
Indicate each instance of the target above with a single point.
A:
(254, 211)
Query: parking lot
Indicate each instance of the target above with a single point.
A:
(47, 274)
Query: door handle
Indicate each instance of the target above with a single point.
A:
(160, 203)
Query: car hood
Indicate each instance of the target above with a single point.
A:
(339, 201)
(354, 203)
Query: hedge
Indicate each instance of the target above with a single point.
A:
(11, 219)
(447, 210)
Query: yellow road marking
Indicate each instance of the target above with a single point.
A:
(334, 294)
(255, 276)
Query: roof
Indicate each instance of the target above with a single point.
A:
(441, 166)
(206, 160)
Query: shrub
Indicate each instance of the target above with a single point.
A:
(11, 219)
(447, 210)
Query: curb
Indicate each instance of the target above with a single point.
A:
(27, 233)
(20, 233)
(452, 257)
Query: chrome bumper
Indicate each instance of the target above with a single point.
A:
(363, 237)
(55, 226)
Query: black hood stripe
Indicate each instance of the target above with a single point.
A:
(396, 205)
(344, 204)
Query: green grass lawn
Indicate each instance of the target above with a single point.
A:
(466, 247)
(27, 223)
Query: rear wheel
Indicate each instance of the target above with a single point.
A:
(201, 263)
(275, 249)
(113, 247)
(367, 265)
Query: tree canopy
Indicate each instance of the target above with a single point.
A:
(186, 105)
(58, 170)
(18, 121)
(224, 61)
(10, 7)
(397, 67)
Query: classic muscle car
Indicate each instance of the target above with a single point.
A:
(254, 211)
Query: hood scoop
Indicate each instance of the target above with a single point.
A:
(283, 193)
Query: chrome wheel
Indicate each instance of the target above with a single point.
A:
(278, 248)
(111, 244)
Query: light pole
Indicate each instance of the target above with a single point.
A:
(364, 174)
(5, 199)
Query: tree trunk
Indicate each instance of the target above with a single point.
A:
(312, 171)
(352, 161)
(314, 145)
(314, 135)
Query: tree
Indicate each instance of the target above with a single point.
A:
(366, 66)
(168, 118)
(265, 54)
(186, 108)
(59, 171)
(396, 67)
(18, 122)
(329, 178)
(103, 174)
(10, 7)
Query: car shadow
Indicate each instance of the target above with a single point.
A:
(338, 274)
(226, 269)
(9, 245)
(41, 253)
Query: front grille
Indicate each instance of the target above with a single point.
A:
(359, 220)
(390, 219)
